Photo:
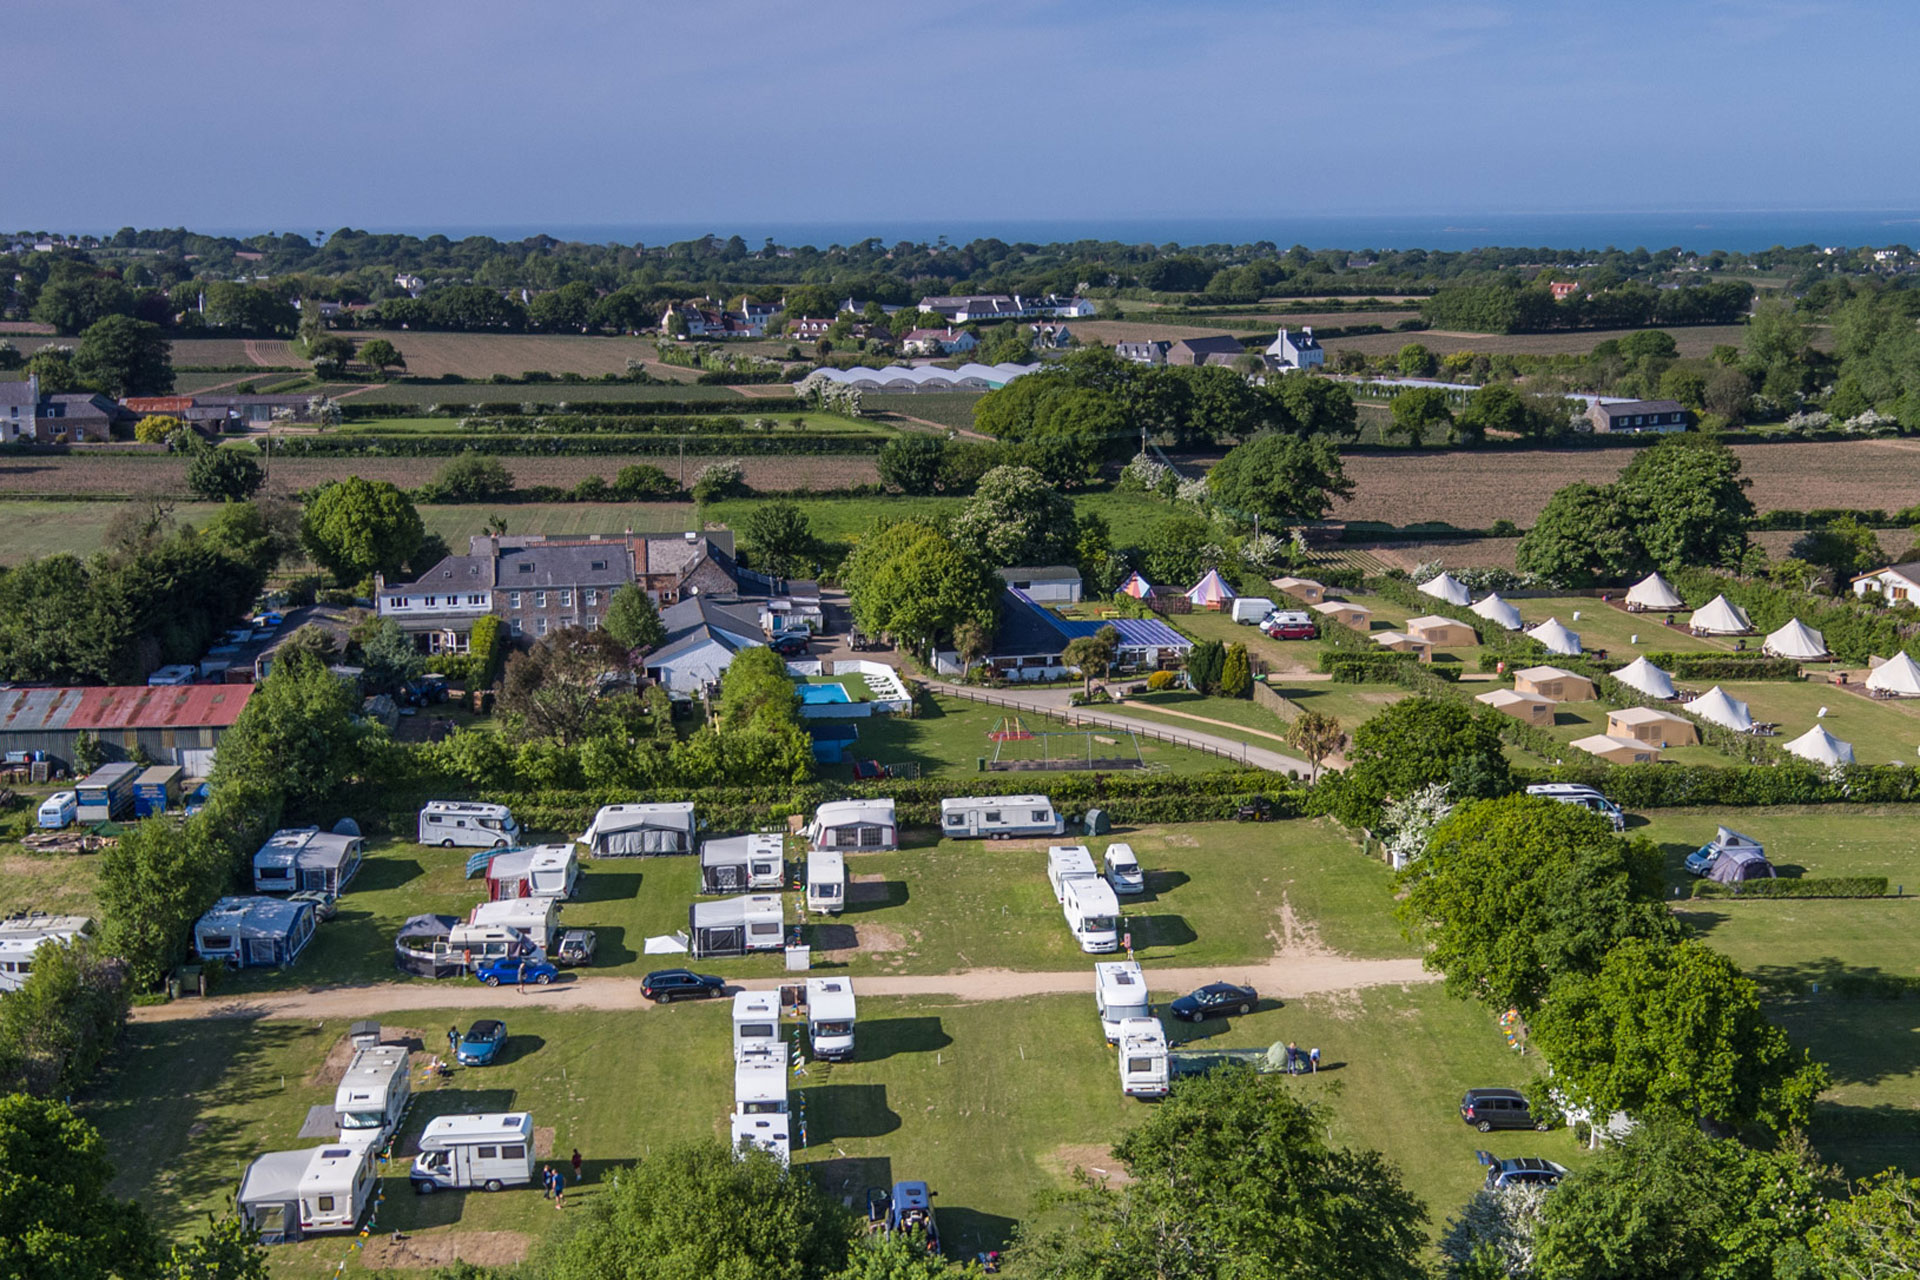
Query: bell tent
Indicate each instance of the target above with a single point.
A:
(1647, 678)
(1717, 706)
(1821, 747)
(1556, 637)
(1449, 588)
(1653, 592)
(1798, 641)
(1897, 678)
(1211, 592)
(1720, 617)
(1499, 612)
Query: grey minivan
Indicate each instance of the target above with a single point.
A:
(1490, 1109)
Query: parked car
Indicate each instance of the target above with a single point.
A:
(482, 1043)
(1290, 629)
(1215, 1000)
(1489, 1109)
(791, 644)
(663, 985)
(1522, 1171)
(576, 947)
(325, 903)
(510, 970)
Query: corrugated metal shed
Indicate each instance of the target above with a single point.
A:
(194, 706)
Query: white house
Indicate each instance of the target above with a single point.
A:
(702, 637)
(938, 342)
(1296, 350)
(1895, 583)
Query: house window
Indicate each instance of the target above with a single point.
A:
(592, 622)
(527, 567)
(432, 601)
(539, 599)
(517, 628)
(566, 599)
(590, 597)
(479, 600)
(513, 599)
(543, 626)
(597, 564)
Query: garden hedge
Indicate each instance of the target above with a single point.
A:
(1797, 887)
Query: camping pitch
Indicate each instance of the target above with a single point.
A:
(1720, 617)
(1499, 612)
(1798, 641)
(1556, 637)
(1718, 706)
(1653, 592)
(1647, 678)
(1821, 747)
(1449, 588)
(1897, 678)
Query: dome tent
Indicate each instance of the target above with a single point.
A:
(1717, 706)
(1556, 637)
(1798, 641)
(1720, 617)
(1449, 588)
(1654, 592)
(1499, 612)
(1821, 747)
(1898, 677)
(1647, 678)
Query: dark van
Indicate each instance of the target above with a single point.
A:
(1489, 1109)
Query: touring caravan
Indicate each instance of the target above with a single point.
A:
(999, 818)
(1068, 862)
(756, 1024)
(448, 823)
(1119, 993)
(737, 864)
(1123, 869)
(373, 1095)
(760, 1116)
(1093, 914)
(336, 1187)
(1144, 1069)
(255, 932)
(306, 858)
(490, 1151)
(466, 945)
(862, 825)
(58, 810)
(544, 871)
(826, 881)
(269, 1199)
(830, 1018)
(107, 792)
(735, 926)
(636, 830)
(22, 935)
(538, 918)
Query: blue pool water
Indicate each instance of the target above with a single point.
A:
(812, 695)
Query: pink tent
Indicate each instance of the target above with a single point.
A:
(1136, 586)
(1211, 592)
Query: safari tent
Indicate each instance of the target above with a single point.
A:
(1211, 592)
(1653, 593)
(1899, 677)
(1500, 613)
(1305, 590)
(1650, 724)
(1719, 707)
(1821, 747)
(1720, 617)
(1556, 638)
(1554, 684)
(1438, 631)
(1618, 750)
(1401, 642)
(1798, 641)
(1449, 588)
(1345, 612)
(1647, 678)
(1525, 707)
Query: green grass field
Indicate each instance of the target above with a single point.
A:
(1881, 732)
(816, 424)
(554, 392)
(948, 408)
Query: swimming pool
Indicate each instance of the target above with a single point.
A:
(813, 695)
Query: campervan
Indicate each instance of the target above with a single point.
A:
(1586, 797)
(737, 864)
(760, 1104)
(490, 1151)
(1144, 1067)
(373, 1095)
(1119, 993)
(756, 1024)
(1123, 870)
(999, 818)
(538, 918)
(1093, 913)
(1068, 862)
(464, 822)
(466, 945)
(59, 809)
(336, 1187)
(826, 881)
(830, 1017)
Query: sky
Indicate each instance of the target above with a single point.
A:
(479, 113)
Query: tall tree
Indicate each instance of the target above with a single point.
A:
(1315, 735)
(1016, 518)
(125, 357)
(632, 618)
(223, 475)
(354, 528)
(557, 689)
(1280, 479)
(1414, 743)
(1873, 1234)
(780, 539)
(57, 1027)
(300, 734)
(1583, 537)
(1688, 502)
(57, 1219)
(911, 581)
(381, 355)
(912, 463)
(1419, 413)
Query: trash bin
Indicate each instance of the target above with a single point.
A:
(799, 958)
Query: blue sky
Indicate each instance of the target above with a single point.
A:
(282, 116)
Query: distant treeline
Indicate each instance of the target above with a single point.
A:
(1509, 308)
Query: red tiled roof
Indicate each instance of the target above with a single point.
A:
(158, 404)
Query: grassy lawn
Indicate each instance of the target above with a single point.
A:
(1234, 711)
(1574, 720)
(841, 519)
(554, 392)
(1350, 704)
(1605, 626)
(1881, 732)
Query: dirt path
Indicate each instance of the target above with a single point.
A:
(1294, 971)
(360, 391)
(1121, 709)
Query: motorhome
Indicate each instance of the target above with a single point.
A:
(373, 1095)
(826, 881)
(859, 825)
(756, 1024)
(544, 871)
(1093, 914)
(107, 792)
(336, 1187)
(738, 864)
(58, 810)
(760, 1104)
(736, 926)
(1119, 993)
(637, 830)
(1123, 870)
(24, 934)
(538, 918)
(466, 945)
(1068, 862)
(1586, 797)
(489, 1151)
(448, 823)
(1143, 1058)
(999, 818)
(830, 1018)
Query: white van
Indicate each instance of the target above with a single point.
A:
(1093, 914)
(59, 809)
(1123, 870)
(1068, 862)
(826, 881)
(373, 1095)
(760, 1115)
(336, 1187)
(467, 945)
(464, 822)
(999, 817)
(1144, 1068)
(1119, 993)
(830, 1018)
(1251, 609)
(490, 1151)
(1584, 796)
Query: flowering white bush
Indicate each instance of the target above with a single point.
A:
(1502, 1223)
(1194, 491)
(1141, 472)
(1408, 823)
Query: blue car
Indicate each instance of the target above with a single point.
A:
(510, 970)
(481, 1045)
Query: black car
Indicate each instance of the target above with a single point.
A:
(1524, 1171)
(1489, 1109)
(1215, 1000)
(663, 985)
(791, 644)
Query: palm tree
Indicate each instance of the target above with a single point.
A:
(1316, 736)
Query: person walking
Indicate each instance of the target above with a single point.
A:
(1313, 1057)
(546, 1182)
(453, 1043)
(1293, 1058)
(576, 1166)
(559, 1188)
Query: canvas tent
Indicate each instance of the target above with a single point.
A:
(1618, 750)
(269, 1196)
(1436, 630)
(1211, 592)
(1720, 617)
(1345, 612)
(1499, 612)
(1650, 724)
(1647, 678)
(1554, 684)
(1556, 637)
(1449, 588)
(634, 830)
(1137, 585)
(1821, 747)
(413, 947)
(1305, 590)
(1401, 642)
(1529, 707)
(1717, 706)
(1653, 592)
(1897, 678)
(1798, 641)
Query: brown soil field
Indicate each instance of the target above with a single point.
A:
(191, 353)
(1696, 341)
(481, 355)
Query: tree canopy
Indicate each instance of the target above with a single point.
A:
(354, 528)
(125, 357)
(223, 475)
(57, 1219)
(911, 581)
(1281, 479)
(301, 729)
(632, 619)
(1413, 743)
(1016, 518)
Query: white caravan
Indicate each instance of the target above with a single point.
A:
(830, 1018)
(738, 864)
(468, 944)
(999, 817)
(466, 822)
(756, 1024)
(1144, 1069)
(538, 918)
(826, 882)
(23, 935)
(491, 1151)
(336, 1187)
(1123, 870)
(544, 871)
(1093, 914)
(373, 1095)
(1119, 993)
(1068, 862)
(760, 1104)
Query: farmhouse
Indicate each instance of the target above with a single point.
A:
(1638, 416)
(1049, 584)
(937, 342)
(1213, 349)
(1527, 707)
(172, 724)
(1894, 582)
(1650, 724)
(1143, 352)
(968, 308)
(1296, 351)
(1554, 684)
(27, 415)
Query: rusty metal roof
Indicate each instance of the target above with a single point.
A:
(191, 706)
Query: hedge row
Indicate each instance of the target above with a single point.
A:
(1725, 666)
(1799, 887)
(761, 406)
(1672, 786)
(440, 446)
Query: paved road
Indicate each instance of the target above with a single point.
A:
(1287, 975)
(1054, 701)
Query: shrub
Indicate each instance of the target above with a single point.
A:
(1162, 680)
(718, 480)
